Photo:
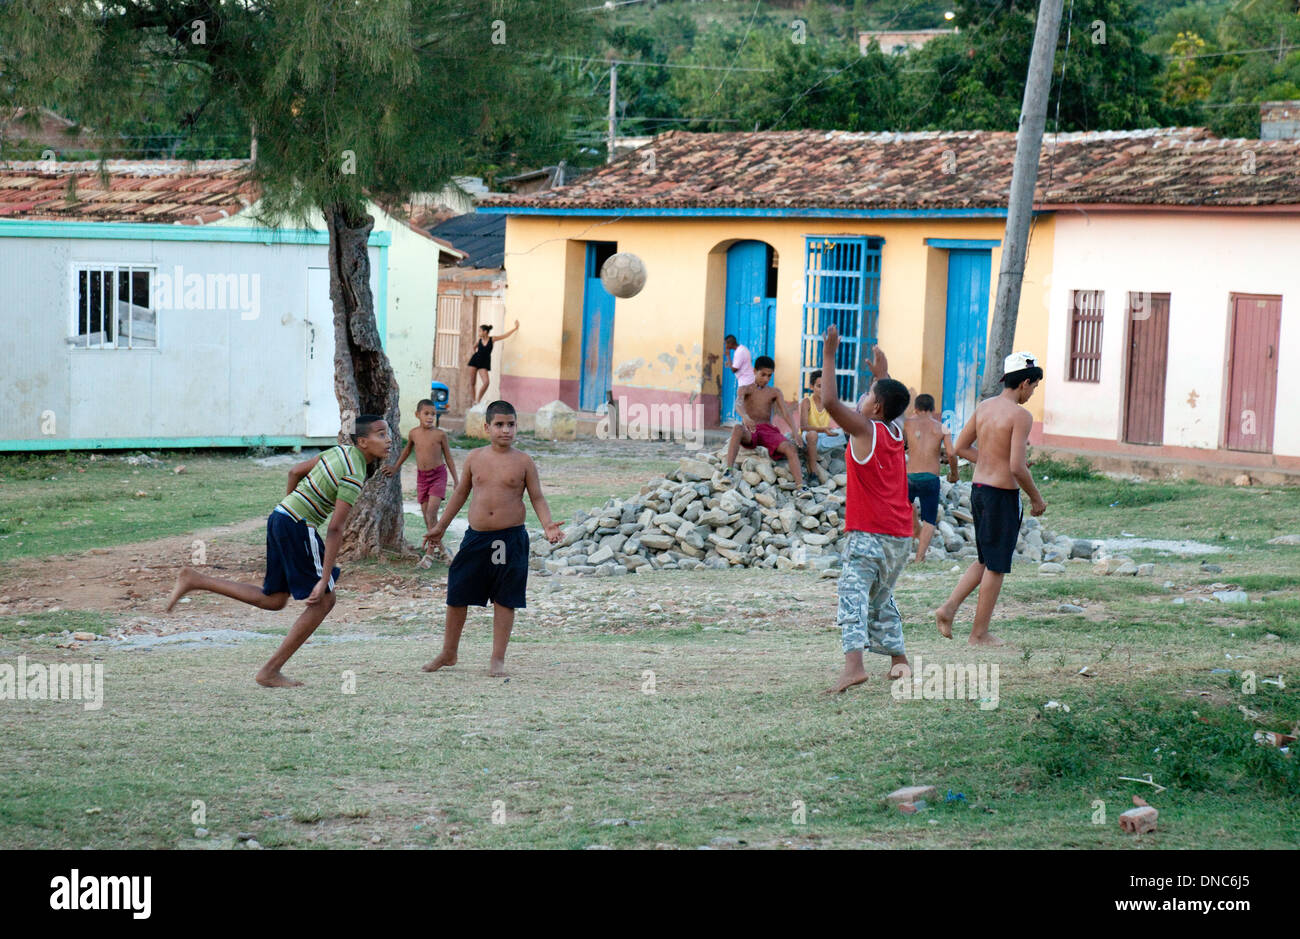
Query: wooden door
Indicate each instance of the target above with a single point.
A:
(965, 334)
(1252, 373)
(597, 330)
(1148, 359)
(750, 315)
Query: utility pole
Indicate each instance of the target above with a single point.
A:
(1020, 205)
(613, 104)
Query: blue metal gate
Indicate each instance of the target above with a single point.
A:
(841, 286)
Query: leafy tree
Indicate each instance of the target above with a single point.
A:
(353, 100)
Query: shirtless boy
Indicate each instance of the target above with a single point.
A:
(755, 403)
(925, 435)
(324, 487)
(433, 460)
(1001, 426)
(492, 562)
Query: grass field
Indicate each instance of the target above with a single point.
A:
(678, 709)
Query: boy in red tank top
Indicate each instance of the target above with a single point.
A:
(877, 516)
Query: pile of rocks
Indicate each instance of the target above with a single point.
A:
(696, 518)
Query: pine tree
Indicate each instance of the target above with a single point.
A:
(353, 101)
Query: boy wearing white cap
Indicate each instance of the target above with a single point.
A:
(1001, 425)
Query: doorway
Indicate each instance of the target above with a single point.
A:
(597, 330)
(965, 334)
(750, 309)
(1148, 357)
(1252, 373)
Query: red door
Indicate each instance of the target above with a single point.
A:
(1252, 373)
(1148, 355)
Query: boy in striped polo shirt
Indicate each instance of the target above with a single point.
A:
(322, 488)
(877, 517)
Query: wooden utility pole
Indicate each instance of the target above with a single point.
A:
(1024, 177)
(613, 106)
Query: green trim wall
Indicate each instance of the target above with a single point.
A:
(146, 231)
(159, 443)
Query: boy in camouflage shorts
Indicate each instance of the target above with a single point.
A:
(877, 516)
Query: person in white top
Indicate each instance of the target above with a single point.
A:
(741, 363)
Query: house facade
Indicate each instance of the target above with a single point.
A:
(154, 311)
(896, 238)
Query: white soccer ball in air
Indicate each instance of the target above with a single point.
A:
(623, 275)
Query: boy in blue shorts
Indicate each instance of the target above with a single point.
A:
(492, 561)
(297, 564)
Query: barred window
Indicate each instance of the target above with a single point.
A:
(113, 308)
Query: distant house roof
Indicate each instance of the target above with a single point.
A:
(481, 237)
(163, 191)
(948, 170)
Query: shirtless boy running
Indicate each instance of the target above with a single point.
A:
(433, 461)
(1001, 426)
(755, 403)
(925, 435)
(492, 562)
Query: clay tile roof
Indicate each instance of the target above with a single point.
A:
(932, 169)
(159, 191)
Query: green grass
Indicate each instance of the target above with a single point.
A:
(736, 731)
(57, 504)
(41, 624)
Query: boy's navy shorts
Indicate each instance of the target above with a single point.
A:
(997, 525)
(925, 486)
(294, 552)
(490, 565)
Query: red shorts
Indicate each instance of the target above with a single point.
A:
(431, 483)
(768, 437)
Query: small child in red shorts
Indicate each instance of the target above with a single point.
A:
(433, 461)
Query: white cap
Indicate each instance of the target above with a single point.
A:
(1018, 361)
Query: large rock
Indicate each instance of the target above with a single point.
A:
(476, 421)
(556, 421)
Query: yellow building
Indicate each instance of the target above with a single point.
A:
(771, 237)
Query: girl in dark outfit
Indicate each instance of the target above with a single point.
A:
(481, 361)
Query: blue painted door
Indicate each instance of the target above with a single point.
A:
(750, 312)
(597, 330)
(965, 335)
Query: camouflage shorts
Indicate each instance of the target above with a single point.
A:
(867, 616)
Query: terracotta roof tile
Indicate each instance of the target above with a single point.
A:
(157, 191)
(932, 169)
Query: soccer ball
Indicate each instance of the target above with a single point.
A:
(623, 275)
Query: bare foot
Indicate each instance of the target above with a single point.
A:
(852, 675)
(497, 668)
(184, 584)
(988, 639)
(443, 660)
(275, 680)
(899, 667)
(944, 619)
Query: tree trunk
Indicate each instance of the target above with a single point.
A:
(363, 382)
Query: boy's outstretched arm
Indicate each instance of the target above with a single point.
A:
(298, 471)
(534, 486)
(965, 447)
(1020, 462)
(879, 365)
(333, 539)
(449, 459)
(454, 504)
(392, 468)
(854, 424)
